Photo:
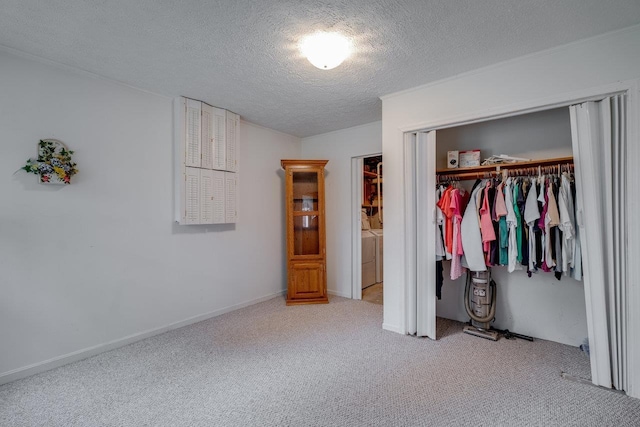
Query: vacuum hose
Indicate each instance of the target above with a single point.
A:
(492, 310)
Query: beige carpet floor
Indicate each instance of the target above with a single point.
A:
(317, 365)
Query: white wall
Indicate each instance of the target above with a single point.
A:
(560, 74)
(540, 305)
(339, 147)
(98, 263)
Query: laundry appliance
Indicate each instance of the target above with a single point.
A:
(379, 244)
(368, 259)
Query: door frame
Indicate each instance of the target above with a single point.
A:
(357, 181)
(631, 89)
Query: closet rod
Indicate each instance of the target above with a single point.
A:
(493, 170)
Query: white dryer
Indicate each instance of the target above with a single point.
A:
(379, 244)
(368, 259)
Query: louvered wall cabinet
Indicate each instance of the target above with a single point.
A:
(306, 249)
(206, 171)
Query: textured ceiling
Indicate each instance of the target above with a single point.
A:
(242, 54)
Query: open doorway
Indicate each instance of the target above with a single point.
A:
(367, 206)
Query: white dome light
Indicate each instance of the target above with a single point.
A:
(326, 50)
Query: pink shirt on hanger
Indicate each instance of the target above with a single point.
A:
(501, 206)
(486, 224)
(456, 207)
(445, 205)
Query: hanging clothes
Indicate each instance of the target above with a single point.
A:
(486, 224)
(515, 222)
(512, 223)
(439, 279)
(456, 207)
(447, 227)
(542, 206)
(523, 240)
(473, 258)
(558, 234)
(567, 221)
(440, 251)
(494, 256)
(531, 214)
(551, 221)
(503, 230)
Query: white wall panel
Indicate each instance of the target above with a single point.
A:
(206, 196)
(193, 133)
(206, 141)
(231, 141)
(230, 197)
(192, 193)
(218, 197)
(219, 138)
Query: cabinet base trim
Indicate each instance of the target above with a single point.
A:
(308, 301)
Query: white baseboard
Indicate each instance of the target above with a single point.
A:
(65, 359)
(339, 294)
(392, 328)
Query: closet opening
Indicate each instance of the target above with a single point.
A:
(537, 298)
(368, 236)
(583, 294)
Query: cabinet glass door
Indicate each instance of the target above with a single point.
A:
(306, 233)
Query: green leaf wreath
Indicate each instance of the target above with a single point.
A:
(54, 159)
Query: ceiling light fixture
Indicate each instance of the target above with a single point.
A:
(325, 50)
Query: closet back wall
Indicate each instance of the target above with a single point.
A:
(100, 262)
(533, 136)
(540, 306)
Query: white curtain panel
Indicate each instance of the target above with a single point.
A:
(410, 232)
(419, 186)
(426, 229)
(616, 304)
(598, 139)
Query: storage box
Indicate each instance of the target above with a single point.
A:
(469, 158)
(452, 159)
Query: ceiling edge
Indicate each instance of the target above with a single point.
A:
(544, 52)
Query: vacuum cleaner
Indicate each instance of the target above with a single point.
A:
(480, 303)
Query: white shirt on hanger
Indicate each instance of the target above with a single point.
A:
(473, 257)
(531, 215)
(567, 223)
(551, 219)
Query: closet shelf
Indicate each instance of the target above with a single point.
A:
(479, 171)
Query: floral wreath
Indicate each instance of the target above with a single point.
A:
(54, 160)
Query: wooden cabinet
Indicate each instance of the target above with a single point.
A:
(306, 253)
